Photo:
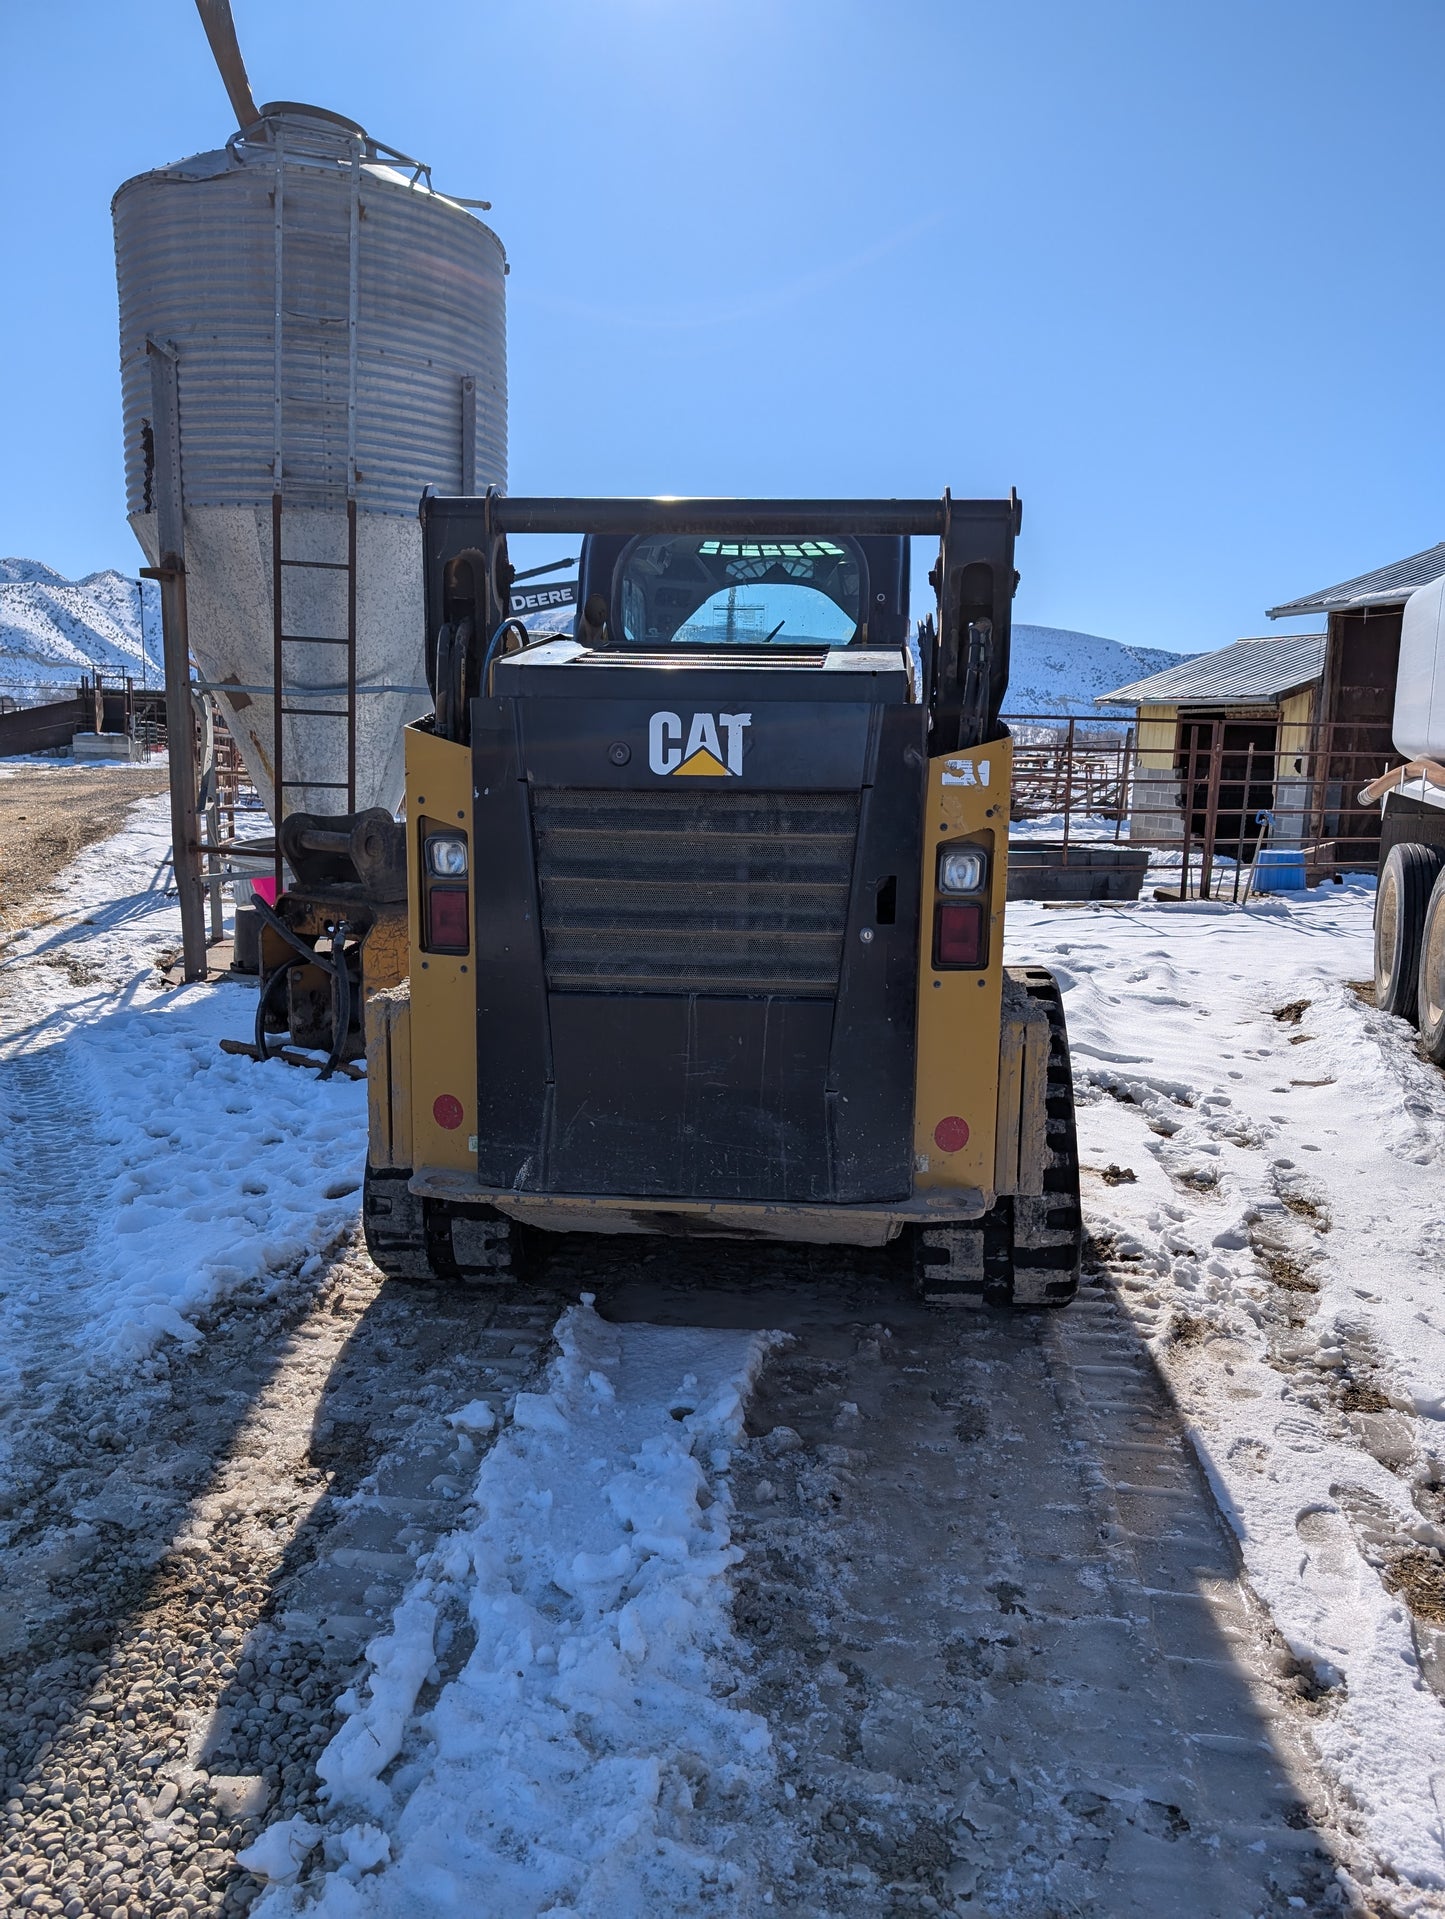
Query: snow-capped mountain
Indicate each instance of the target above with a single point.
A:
(53, 630)
(1055, 671)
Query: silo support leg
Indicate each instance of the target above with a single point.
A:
(180, 729)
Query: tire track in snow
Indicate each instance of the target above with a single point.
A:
(1000, 1634)
(1259, 1174)
(48, 1191)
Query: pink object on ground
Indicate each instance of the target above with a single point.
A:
(265, 890)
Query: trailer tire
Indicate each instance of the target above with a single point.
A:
(1404, 892)
(1025, 1251)
(1431, 989)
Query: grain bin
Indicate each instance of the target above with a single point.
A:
(335, 331)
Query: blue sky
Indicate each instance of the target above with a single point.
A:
(1173, 270)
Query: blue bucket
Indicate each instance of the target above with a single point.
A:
(1279, 869)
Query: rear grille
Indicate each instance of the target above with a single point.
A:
(692, 892)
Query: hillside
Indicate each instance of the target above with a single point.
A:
(52, 630)
(1054, 670)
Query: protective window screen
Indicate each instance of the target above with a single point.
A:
(684, 590)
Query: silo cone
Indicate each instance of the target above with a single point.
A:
(389, 376)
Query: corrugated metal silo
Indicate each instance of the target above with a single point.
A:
(339, 343)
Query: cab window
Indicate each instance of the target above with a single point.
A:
(685, 590)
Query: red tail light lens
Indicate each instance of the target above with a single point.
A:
(958, 933)
(446, 920)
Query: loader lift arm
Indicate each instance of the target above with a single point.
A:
(965, 651)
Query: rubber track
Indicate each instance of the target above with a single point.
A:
(1026, 1251)
(429, 1240)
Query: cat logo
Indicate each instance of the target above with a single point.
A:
(702, 755)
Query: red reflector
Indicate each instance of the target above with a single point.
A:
(951, 1135)
(959, 939)
(446, 929)
(446, 1110)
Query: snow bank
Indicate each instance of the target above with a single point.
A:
(1280, 1248)
(152, 1172)
(221, 1170)
(585, 1760)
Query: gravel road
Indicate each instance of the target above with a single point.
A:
(191, 1572)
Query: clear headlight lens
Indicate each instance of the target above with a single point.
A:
(960, 870)
(446, 856)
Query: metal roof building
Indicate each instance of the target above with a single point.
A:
(1249, 673)
(1219, 741)
(1355, 702)
(1387, 586)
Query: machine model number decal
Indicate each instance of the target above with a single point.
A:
(965, 772)
(711, 747)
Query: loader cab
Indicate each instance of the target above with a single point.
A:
(700, 591)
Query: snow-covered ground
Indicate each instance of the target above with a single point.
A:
(1261, 1171)
(1263, 1156)
(1081, 826)
(53, 630)
(154, 1173)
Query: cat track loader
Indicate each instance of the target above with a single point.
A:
(704, 903)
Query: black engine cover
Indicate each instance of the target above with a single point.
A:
(697, 898)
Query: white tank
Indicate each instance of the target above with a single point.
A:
(339, 331)
(1419, 726)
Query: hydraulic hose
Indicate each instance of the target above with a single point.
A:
(496, 641)
(263, 1051)
(306, 955)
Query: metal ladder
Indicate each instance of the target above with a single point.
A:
(338, 695)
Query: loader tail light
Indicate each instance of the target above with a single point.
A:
(959, 933)
(446, 920)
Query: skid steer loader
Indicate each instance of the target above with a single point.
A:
(704, 905)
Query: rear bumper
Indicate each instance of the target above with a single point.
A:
(852, 1225)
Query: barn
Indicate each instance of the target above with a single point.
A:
(1356, 699)
(1222, 738)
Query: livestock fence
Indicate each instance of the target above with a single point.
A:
(1229, 802)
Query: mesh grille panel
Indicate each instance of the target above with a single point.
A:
(694, 892)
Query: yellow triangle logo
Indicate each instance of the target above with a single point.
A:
(705, 764)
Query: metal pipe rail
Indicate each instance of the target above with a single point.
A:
(523, 514)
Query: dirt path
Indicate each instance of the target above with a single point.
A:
(47, 814)
(997, 1627)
